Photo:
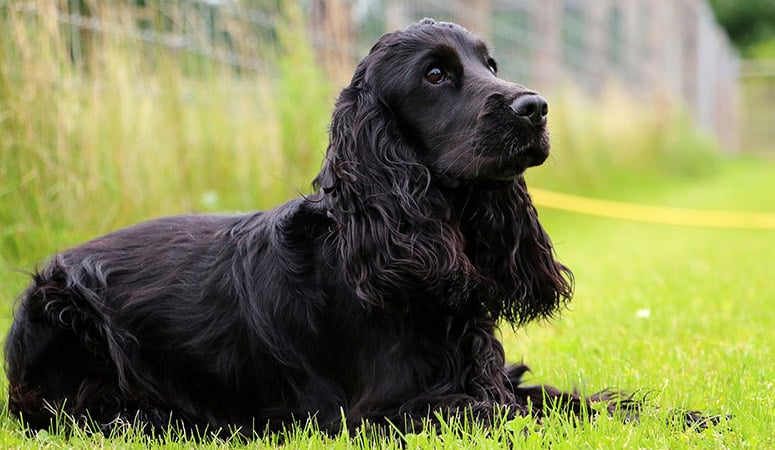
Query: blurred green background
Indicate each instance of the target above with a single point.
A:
(112, 112)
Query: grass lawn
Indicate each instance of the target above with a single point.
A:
(682, 313)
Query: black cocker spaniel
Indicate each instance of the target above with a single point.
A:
(375, 299)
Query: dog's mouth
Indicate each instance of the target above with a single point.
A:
(510, 166)
(513, 162)
(499, 153)
(507, 146)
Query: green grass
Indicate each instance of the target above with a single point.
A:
(145, 130)
(705, 342)
(684, 313)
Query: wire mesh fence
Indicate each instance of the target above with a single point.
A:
(670, 51)
(667, 51)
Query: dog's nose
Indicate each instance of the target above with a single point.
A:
(532, 107)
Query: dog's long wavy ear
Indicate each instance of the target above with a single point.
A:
(390, 238)
(547, 283)
(513, 251)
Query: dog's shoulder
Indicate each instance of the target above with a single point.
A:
(302, 218)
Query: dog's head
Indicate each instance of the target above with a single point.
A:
(441, 85)
(423, 176)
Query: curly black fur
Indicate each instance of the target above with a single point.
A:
(374, 299)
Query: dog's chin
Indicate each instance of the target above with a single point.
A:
(514, 166)
(498, 169)
(534, 155)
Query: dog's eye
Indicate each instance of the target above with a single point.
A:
(434, 75)
(492, 65)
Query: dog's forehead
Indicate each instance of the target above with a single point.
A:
(431, 32)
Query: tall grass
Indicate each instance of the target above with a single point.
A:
(131, 129)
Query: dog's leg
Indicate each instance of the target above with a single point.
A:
(44, 368)
(540, 399)
(473, 388)
(55, 359)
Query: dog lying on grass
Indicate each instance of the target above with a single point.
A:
(375, 299)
